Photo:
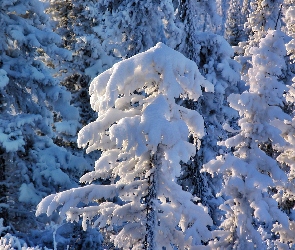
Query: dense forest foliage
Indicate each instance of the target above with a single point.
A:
(147, 124)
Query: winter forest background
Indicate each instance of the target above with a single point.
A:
(147, 124)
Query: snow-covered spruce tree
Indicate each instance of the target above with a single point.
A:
(198, 16)
(286, 157)
(101, 32)
(234, 30)
(287, 18)
(222, 11)
(253, 179)
(129, 27)
(32, 166)
(245, 10)
(213, 55)
(263, 16)
(75, 22)
(144, 135)
(215, 64)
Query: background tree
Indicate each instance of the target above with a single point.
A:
(222, 10)
(196, 16)
(34, 111)
(213, 55)
(75, 21)
(234, 30)
(127, 29)
(246, 9)
(143, 134)
(263, 16)
(253, 178)
(286, 199)
(290, 31)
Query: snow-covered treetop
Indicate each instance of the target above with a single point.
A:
(264, 17)
(140, 80)
(264, 88)
(176, 75)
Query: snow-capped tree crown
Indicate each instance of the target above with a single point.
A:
(154, 73)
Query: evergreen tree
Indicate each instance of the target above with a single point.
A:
(34, 111)
(222, 10)
(253, 178)
(213, 55)
(130, 27)
(234, 30)
(286, 197)
(215, 64)
(75, 22)
(245, 10)
(286, 153)
(99, 33)
(198, 16)
(264, 16)
(143, 134)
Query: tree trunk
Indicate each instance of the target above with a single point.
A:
(3, 188)
(151, 213)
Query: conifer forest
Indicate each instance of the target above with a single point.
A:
(147, 124)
